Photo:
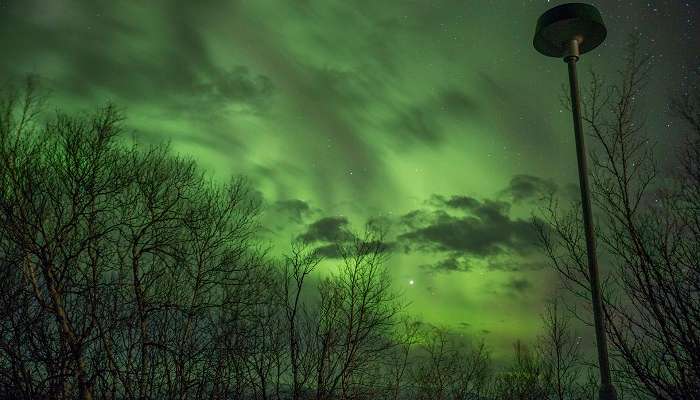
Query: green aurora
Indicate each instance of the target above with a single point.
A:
(436, 117)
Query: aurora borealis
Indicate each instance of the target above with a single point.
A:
(436, 117)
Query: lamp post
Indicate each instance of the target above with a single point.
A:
(567, 31)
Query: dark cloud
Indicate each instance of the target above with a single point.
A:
(516, 265)
(367, 247)
(335, 239)
(460, 228)
(328, 251)
(528, 187)
(518, 285)
(487, 208)
(327, 229)
(449, 264)
(486, 229)
(459, 202)
(239, 85)
(415, 219)
(295, 209)
(336, 250)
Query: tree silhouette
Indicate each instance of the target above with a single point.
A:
(649, 232)
(126, 264)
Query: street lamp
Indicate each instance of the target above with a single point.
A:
(567, 31)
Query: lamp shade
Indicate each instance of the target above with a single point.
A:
(563, 23)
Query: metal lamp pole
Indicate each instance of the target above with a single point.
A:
(567, 31)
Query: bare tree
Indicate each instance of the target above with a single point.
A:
(560, 351)
(526, 379)
(356, 318)
(297, 268)
(648, 227)
(125, 262)
(133, 276)
(398, 362)
(449, 366)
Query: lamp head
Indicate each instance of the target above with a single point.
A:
(557, 27)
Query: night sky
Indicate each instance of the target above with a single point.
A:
(436, 117)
